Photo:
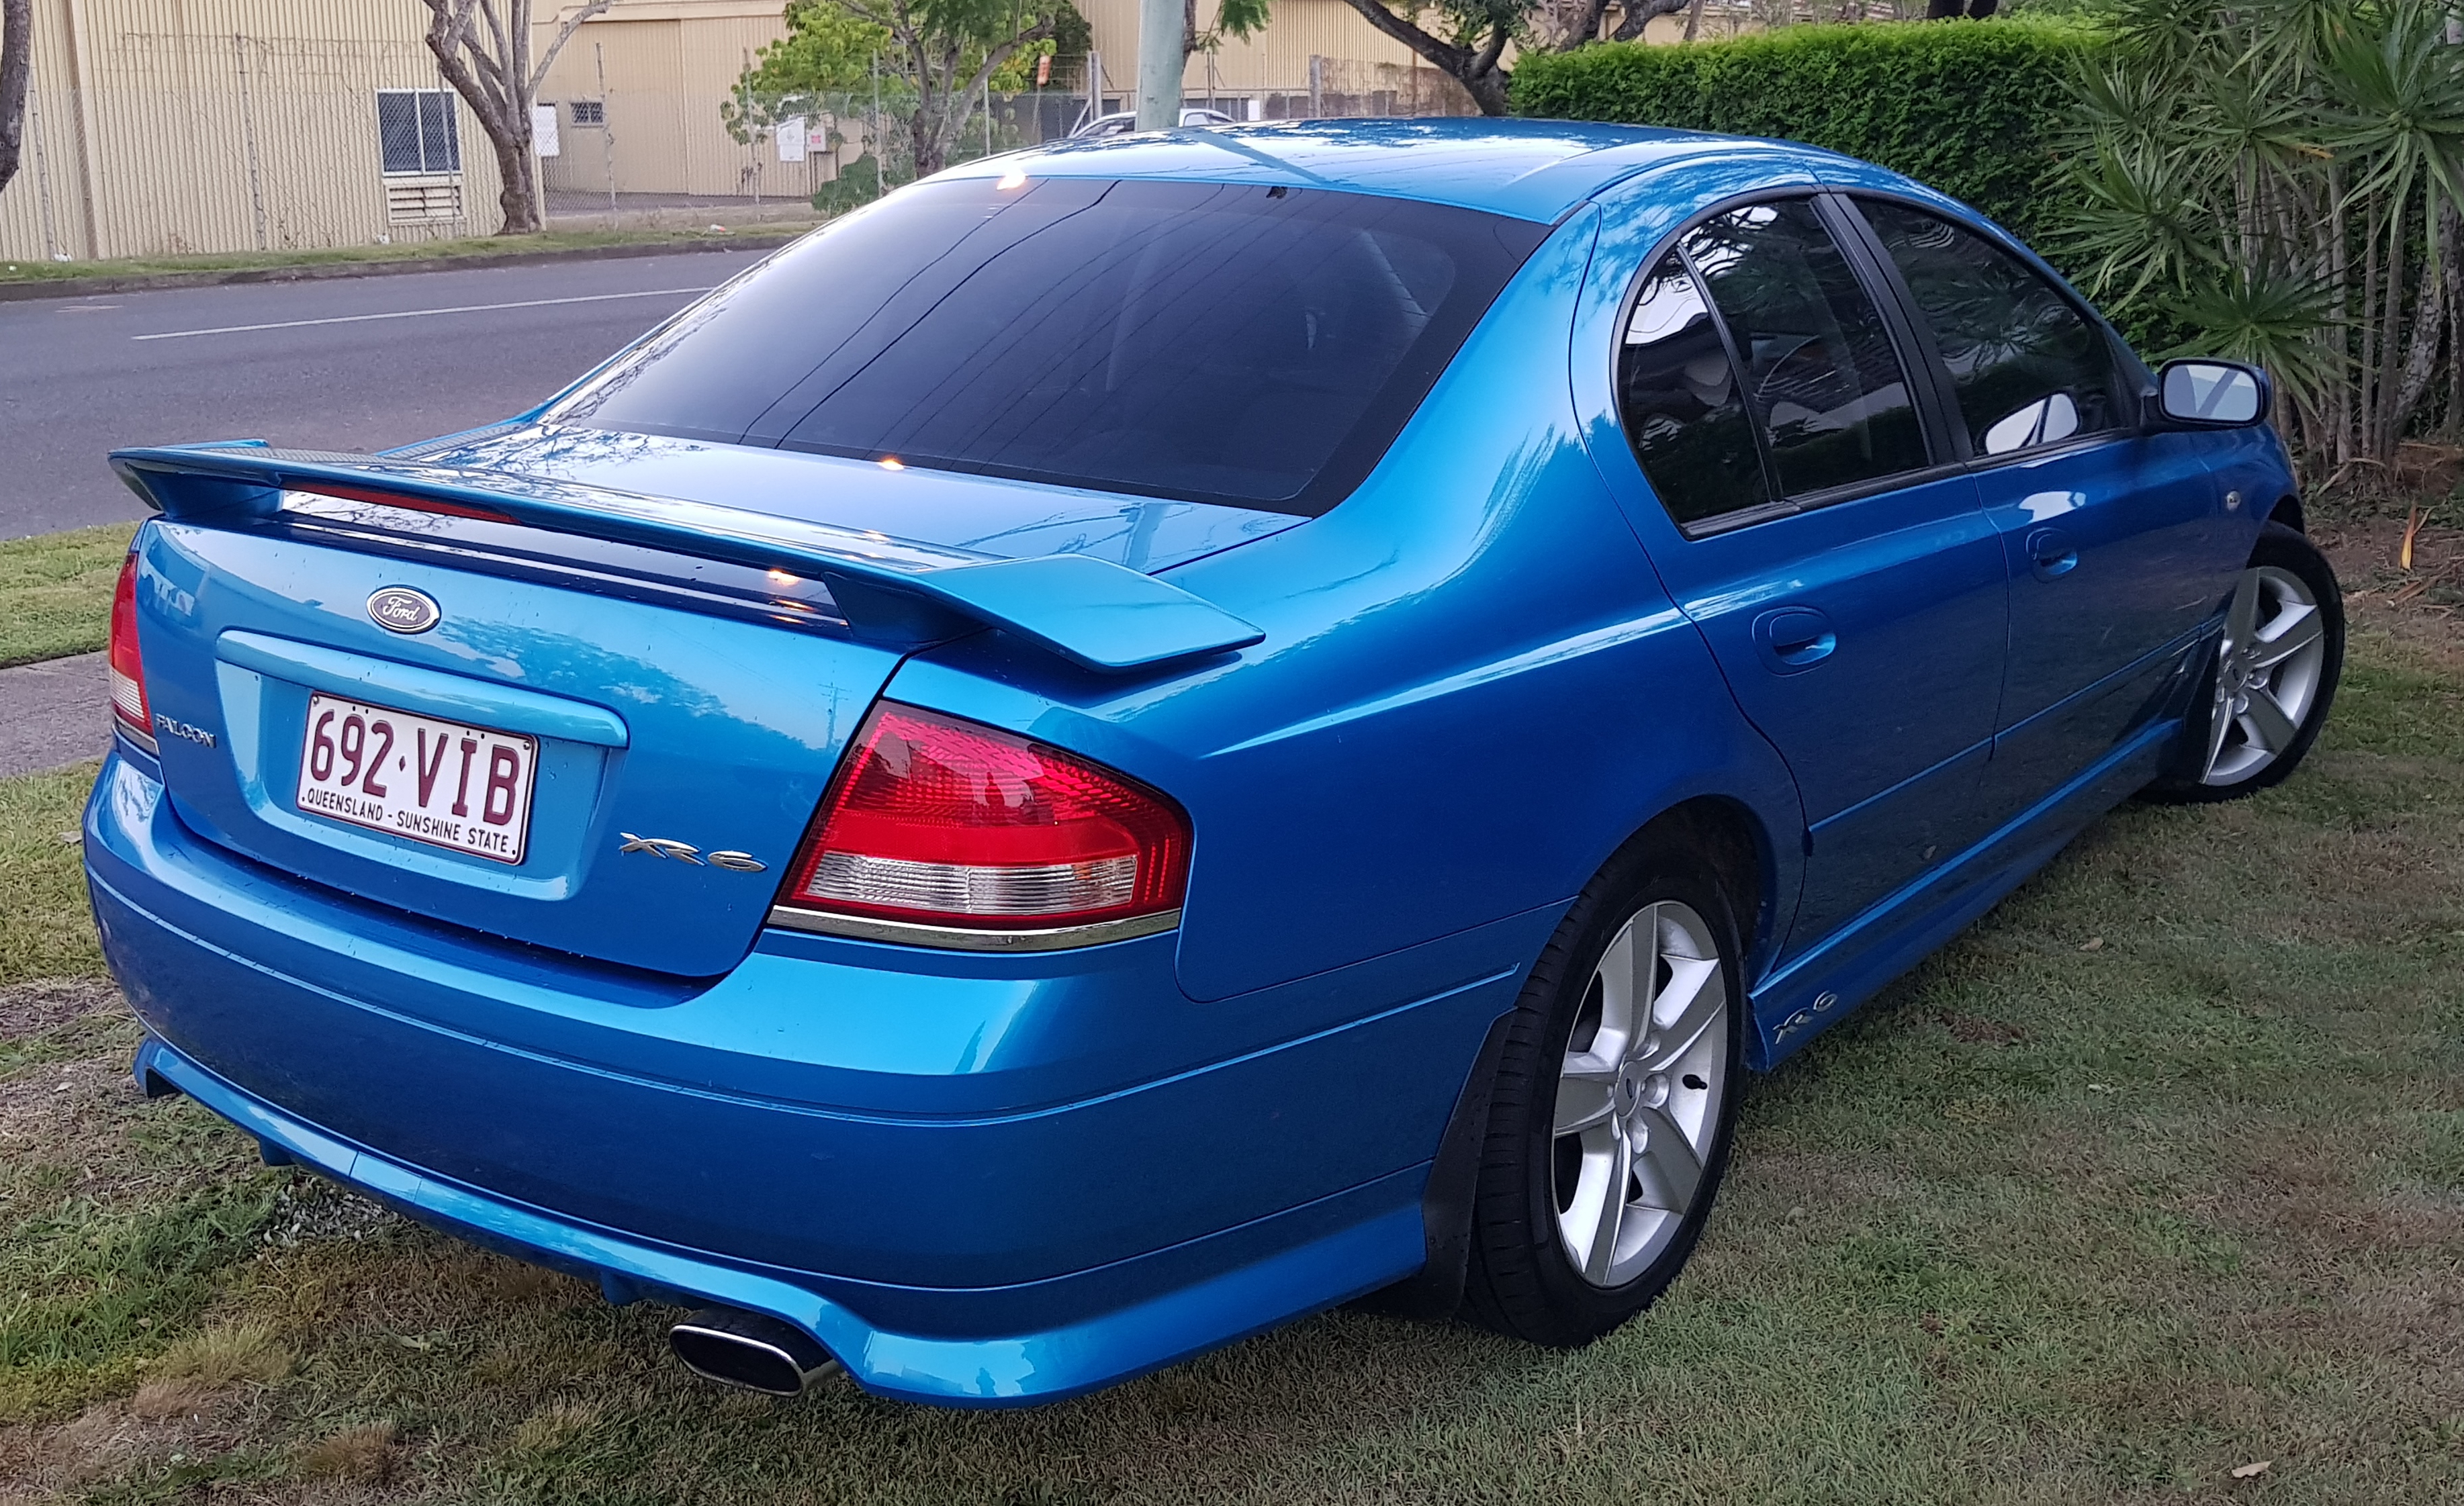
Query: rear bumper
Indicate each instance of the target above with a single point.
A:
(976, 1180)
(1010, 1369)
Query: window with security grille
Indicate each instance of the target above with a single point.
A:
(417, 131)
(590, 112)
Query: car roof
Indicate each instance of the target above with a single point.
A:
(1528, 169)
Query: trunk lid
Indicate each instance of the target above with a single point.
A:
(686, 675)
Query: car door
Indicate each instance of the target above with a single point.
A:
(2116, 540)
(1832, 555)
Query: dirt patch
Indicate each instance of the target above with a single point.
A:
(28, 1010)
(2422, 605)
(69, 1114)
(110, 1438)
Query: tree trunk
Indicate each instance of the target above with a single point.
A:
(519, 198)
(497, 78)
(17, 70)
(942, 99)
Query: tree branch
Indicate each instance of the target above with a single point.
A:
(1445, 55)
(1639, 14)
(565, 34)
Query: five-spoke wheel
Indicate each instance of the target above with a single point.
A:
(2267, 673)
(1638, 1093)
(2274, 673)
(1614, 1102)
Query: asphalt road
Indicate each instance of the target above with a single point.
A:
(453, 350)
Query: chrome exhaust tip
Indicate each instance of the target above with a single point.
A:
(747, 1349)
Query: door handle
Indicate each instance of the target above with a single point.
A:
(2051, 554)
(1793, 639)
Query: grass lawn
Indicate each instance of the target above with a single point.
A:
(56, 592)
(407, 251)
(2155, 1174)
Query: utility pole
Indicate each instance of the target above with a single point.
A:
(606, 129)
(1160, 62)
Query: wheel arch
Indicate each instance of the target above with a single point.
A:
(1736, 849)
(2287, 510)
(1735, 845)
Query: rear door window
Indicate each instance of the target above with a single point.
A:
(1819, 370)
(2027, 366)
(1260, 346)
(1756, 368)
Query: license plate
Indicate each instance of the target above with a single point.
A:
(443, 783)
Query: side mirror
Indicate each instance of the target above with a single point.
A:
(2212, 394)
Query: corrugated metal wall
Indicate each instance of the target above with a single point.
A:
(158, 127)
(659, 72)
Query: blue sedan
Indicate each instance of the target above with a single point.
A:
(1151, 735)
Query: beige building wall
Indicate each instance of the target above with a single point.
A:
(161, 127)
(659, 70)
(1274, 61)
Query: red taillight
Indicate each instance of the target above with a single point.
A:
(127, 670)
(945, 823)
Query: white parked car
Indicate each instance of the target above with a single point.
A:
(1121, 122)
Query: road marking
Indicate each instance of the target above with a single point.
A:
(421, 313)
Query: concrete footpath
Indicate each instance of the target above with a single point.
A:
(54, 713)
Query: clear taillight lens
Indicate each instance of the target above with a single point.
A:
(127, 670)
(945, 823)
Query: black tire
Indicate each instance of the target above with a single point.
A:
(1521, 1280)
(2191, 777)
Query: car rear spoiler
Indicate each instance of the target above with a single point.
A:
(1091, 611)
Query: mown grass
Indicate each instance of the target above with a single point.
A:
(45, 930)
(2155, 1173)
(448, 250)
(56, 592)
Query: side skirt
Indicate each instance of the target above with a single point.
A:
(1815, 991)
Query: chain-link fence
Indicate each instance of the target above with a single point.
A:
(639, 156)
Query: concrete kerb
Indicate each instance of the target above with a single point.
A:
(142, 282)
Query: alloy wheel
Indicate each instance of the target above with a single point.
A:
(1640, 1091)
(2268, 673)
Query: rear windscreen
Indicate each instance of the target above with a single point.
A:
(1257, 347)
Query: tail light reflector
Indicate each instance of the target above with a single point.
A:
(948, 824)
(128, 705)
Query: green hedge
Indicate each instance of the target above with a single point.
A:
(1971, 107)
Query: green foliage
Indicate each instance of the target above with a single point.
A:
(826, 48)
(858, 183)
(1074, 36)
(1241, 19)
(930, 61)
(2280, 181)
(1974, 110)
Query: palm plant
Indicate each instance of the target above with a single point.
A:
(2280, 181)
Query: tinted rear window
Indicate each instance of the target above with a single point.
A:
(1256, 346)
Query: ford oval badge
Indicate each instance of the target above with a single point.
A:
(399, 609)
